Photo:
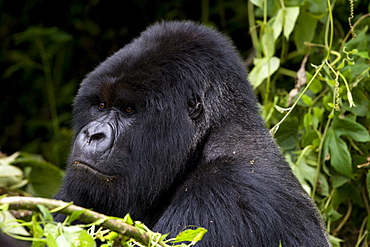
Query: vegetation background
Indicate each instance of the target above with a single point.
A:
(308, 61)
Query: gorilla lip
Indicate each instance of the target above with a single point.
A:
(87, 166)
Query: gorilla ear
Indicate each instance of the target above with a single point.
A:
(195, 108)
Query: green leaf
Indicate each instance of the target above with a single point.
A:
(51, 241)
(44, 178)
(361, 101)
(258, 3)
(264, 67)
(9, 224)
(332, 214)
(317, 6)
(363, 54)
(191, 235)
(355, 195)
(339, 196)
(36, 228)
(82, 239)
(111, 236)
(306, 99)
(300, 171)
(350, 128)
(287, 135)
(45, 212)
(75, 215)
(8, 160)
(290, 18)
(277, 25)
(339, 180)
(51, 228)
(63, 240)
(9, 175)
(318, 113)
(340, 158)
(347, 191)
(267, 41)
(315, 85)
(310, 138)
(75, 236)
(323, 185)
(335, 242)
(305, 31)
(128, 220)
(307, 120)
(360, 42)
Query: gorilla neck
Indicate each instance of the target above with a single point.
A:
(239, 140)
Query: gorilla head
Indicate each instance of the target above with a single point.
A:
(167, 129)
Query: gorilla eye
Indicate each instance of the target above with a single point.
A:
(102, 106)
(129, 109)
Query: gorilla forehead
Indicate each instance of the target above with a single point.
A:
(166, 55)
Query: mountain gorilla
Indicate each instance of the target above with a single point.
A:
(167, 129)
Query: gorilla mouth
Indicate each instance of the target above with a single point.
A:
(87, 166)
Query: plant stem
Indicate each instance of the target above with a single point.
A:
(253, 29)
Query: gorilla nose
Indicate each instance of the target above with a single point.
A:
(95, 138)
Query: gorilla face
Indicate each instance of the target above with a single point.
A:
(126, 140)
(122, 123)
(141, 119)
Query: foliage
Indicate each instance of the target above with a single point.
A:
(29, 174)
(322, 124)
(108, 230)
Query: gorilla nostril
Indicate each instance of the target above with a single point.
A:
(97, 136)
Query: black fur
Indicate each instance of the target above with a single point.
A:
(193, 150)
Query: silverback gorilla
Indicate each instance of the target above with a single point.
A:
(168, 130)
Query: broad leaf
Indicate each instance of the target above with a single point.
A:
(277, 26)
(44, 178)
(267, 41)
(287, 135)
(191, 235)
(306, 31)
(9, 175)
(350, 128)
(258, 3)
(340, 158)
(264, 67)
(290, 17)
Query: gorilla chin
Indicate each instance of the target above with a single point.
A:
(168, 130)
